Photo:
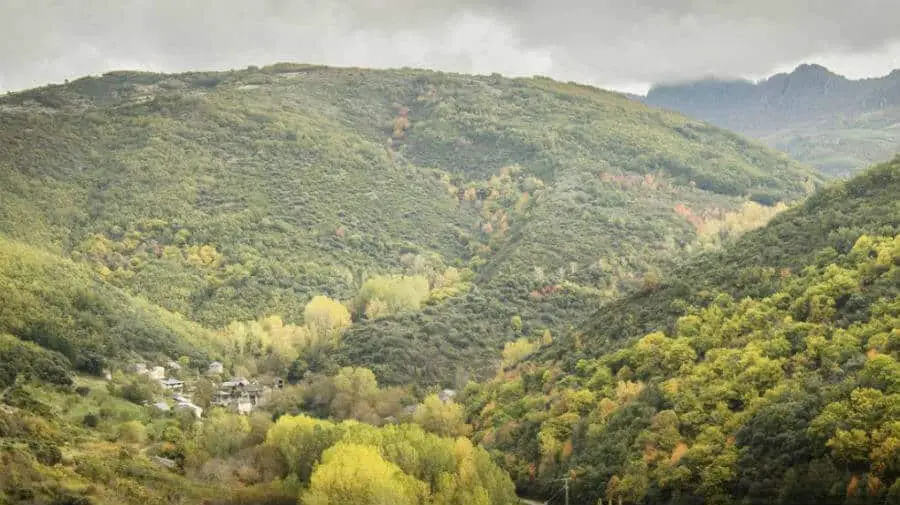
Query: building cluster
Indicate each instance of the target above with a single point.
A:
(242, 395)
(237, 394)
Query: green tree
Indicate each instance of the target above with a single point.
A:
(513, 352)
(204, 393)
(138, 389)
(224, 433)
(356, 395)
(446, 419)
(387, 295)
(131, 432)
(301, 441)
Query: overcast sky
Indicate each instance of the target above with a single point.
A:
(610, 43)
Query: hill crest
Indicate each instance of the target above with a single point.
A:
(837, 124)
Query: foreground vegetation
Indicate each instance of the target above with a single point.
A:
(89, 444)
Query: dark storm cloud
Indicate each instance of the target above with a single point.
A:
(604, 42)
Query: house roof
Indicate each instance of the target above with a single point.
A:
(237, 381)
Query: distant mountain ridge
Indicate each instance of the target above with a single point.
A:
(837, 124)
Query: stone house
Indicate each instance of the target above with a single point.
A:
(215, 368)
(172, 384)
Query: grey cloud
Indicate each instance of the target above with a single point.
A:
(603, 42)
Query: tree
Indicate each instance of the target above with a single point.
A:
(224, 433)
(204, 393)
(259, 422)
(882, 372)
(356, 394)
(513, 352)
(139, 389)
(387, 295)
(325, 318)
(444, 419)
(353, 474)
(300, 440)
(131, 432)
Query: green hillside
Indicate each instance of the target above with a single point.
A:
(241, 195)
(84, 323)
(375, 236)
(763, 373)
(836, 124)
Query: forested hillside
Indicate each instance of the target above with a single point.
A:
(449, 213)
(593, 269)
(80, 321)
(836, 124)
(768, 372)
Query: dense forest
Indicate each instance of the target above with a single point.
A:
(510, 206)
(764, 373)
(451, 289)
(836, 124)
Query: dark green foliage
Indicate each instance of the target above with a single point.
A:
(47, 453)
(30, 361)
(138, 389)
(90, 421)
(523, 204)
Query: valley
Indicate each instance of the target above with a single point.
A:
(343, 285)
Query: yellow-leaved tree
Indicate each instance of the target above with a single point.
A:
(444, 419)
(356, 393)
(325, 318)
(300, 440)
(516, 351)
(353, 474)
(386, 295)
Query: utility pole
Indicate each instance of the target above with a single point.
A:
(566, 480)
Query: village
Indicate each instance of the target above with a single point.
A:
(237, 394)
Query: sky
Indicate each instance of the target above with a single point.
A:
(618, 44)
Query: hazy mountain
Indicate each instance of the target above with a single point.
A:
(834, 123)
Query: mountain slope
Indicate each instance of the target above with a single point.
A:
(83, 322)
(834, 123)
(743, 375)
(239, 195)
(831, 221)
